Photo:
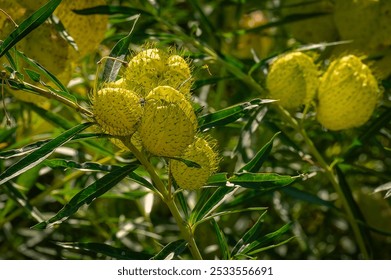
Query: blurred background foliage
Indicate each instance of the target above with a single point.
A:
(231, 44)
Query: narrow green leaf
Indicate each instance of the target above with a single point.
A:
(221, 241)
(28, 25)
(93, 166)
(106, 250)
(63, 90)
(22, 200)
(33, 75)
(255, 164)
(229, 115)
(111, 10)
(208, 203)
(41, 154)
(308, 197)
(22, 151)
(269, 238)
(251, 180)
(251, 235)
(119, 52)
(87, 195)
(183, 203)
(171, 250)
(358, 215)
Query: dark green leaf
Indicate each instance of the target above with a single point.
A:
(308, 197)
(209, 202)
(221, 240)
(63, 90)
(28, 25)
(111, 10)
(33, 75)
(255, 164)
(87, 195)
(270, 238)
(251, 180)
(22, 200)
(171, 250)
(228, 115)
(119, 53)
(106, 250)
(41, 154)
(22, 151)
(251, 235)
(183, 203)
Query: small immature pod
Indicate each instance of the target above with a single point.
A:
(169, 124)
(117, 111)
(348, 94)
(293, 80)
(191, 178)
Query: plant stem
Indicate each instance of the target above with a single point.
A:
(165, 194)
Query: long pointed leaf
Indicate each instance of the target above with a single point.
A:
(119, 51)
(221, 240)
(251, 180)
(251, 235)
(28, 25)
(269, 238)
(171, 250)
(41, 154)
(256, 162)
(87, 195)
(205, 206)
(228, 115)
(106, 250)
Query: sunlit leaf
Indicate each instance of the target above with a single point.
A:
(28, 25)
(171, 250)
(40, 154)
(87, 195)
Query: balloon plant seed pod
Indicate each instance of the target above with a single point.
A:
(201, 151)
(154, 67)
(348, 94)
(293, 80)
(169, 123)
(117, 111)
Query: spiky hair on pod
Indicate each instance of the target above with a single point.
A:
(348, 94)
(154, 67)
(169, 123)
(293, 80)
(203, 152)
(117, 110)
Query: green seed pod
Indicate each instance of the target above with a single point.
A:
(169, 123)
(153, 67)
(201, 152)
(117, 110)
(293, 80)
(348, 93)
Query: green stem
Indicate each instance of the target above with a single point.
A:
(331, 176)
(165, 194)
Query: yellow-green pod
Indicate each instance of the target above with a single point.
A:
(154, 67)
(201, 152)
(117, 111)
(348, 94)
(169, 124)
(293, 80)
